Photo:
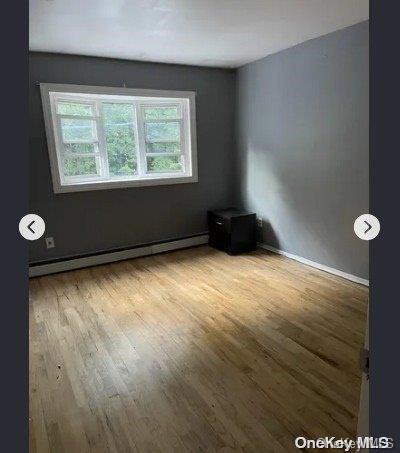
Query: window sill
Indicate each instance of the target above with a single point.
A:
(122, 184)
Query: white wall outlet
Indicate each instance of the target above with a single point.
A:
(50, 242)
(259, 222)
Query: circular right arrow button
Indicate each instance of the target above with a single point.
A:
(367, 227)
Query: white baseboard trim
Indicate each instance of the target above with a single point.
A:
(109, 257)
(322, 267)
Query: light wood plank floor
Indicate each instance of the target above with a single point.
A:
(193, 350)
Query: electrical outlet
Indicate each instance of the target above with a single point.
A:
(259, 222)
(50, 242)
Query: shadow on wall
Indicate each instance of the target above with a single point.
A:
(302, 135)
(267, 235)
(304, 207)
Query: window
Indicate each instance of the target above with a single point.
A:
(100, 138)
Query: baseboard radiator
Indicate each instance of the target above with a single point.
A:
(67, 264)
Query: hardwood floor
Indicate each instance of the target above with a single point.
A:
(193, 350)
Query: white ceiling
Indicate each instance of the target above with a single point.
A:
(225, 33)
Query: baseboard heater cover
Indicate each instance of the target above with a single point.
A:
(47, 268)
(319, 266)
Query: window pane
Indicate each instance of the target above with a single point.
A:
(154, 113)
(164, 163)
(80, 148)
(79, 166)
(162, 131)
(72, 108)
(77, 129)
(119, 121)
(163, 147)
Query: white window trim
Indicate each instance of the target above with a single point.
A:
(151, 179)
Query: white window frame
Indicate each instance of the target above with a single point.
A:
(94, 95)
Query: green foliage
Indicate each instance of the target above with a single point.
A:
(162, 131)
(154, 113)
(80, 166)
(69, 108)
(79, 147)
(164, 147)
(120, 138)
(158, 131)
(164, 163)
(77, 129)
(118, 122)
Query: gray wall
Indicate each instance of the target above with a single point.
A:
(302, 138)
(90, 221)
(301, 143)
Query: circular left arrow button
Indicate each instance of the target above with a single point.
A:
(32, 227)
